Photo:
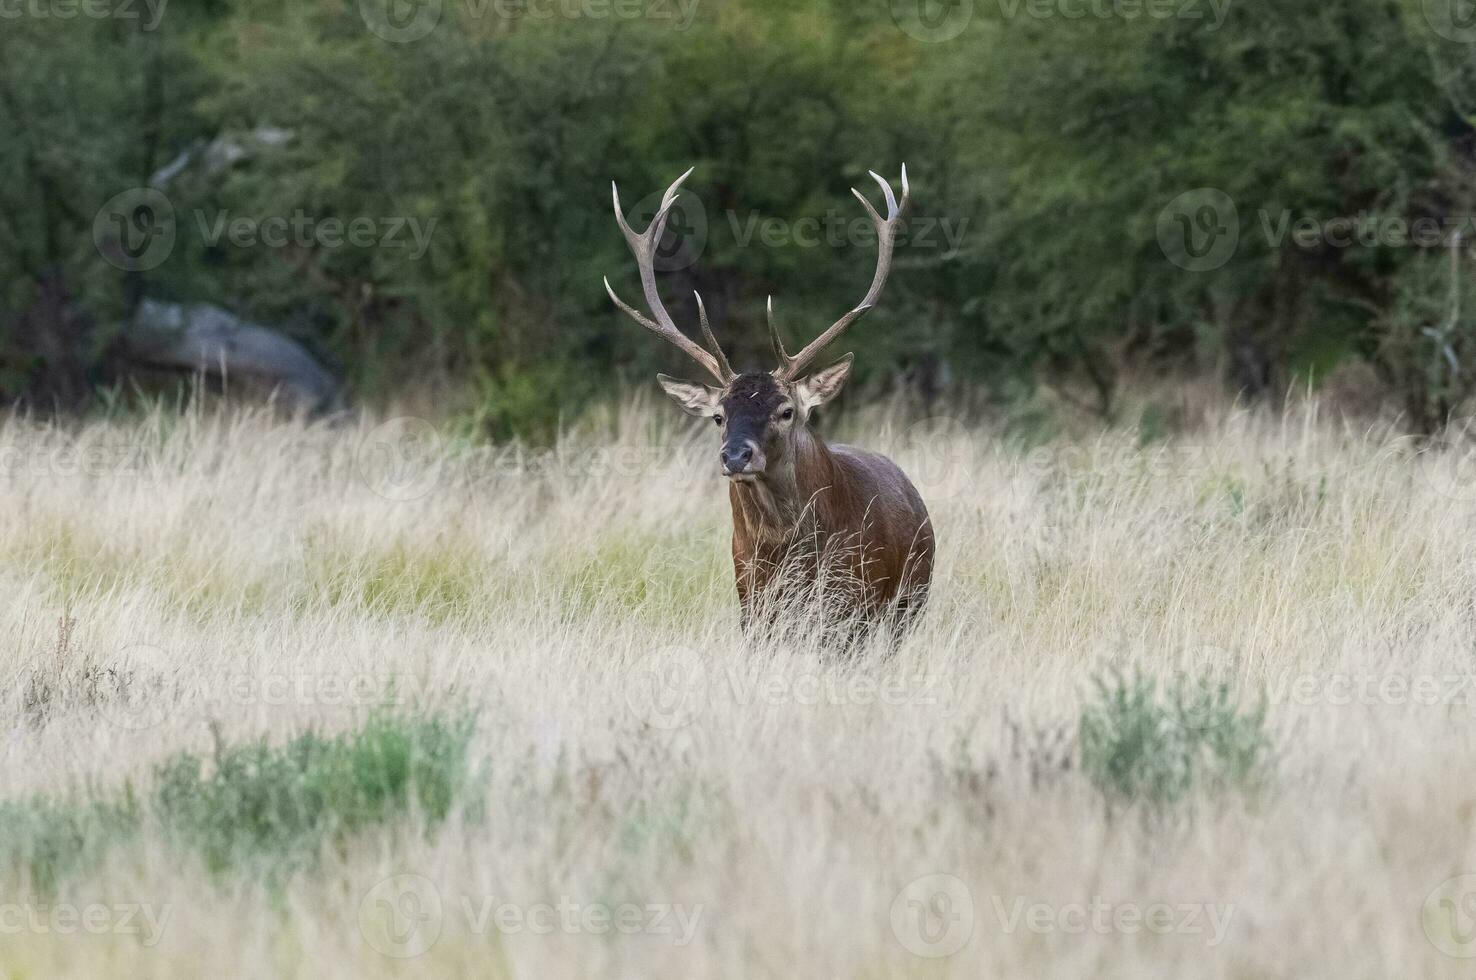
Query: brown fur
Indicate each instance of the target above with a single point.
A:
(853, 510)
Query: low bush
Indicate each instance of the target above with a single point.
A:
(256, 809)
(1142, 743)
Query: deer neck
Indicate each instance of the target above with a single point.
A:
(779, 507)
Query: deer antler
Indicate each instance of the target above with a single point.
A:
(643, 247)
(886, 236)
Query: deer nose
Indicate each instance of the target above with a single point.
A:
(736, 458)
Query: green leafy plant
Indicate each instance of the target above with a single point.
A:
(1142, 743)
(255, 809)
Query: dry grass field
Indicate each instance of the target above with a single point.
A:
(366, 700)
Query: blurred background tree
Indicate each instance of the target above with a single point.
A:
(1072, 178)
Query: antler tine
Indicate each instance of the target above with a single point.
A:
(643, 246)
(728, 374)
(780, 354)
(886, 237)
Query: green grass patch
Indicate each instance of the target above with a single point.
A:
(79, 562)
(663, 575)
(440, 580)
(255, 809)
(1140, 742)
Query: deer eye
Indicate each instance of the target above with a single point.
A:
(787, 414)
(718, 419)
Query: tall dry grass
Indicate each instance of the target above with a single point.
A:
(175, 584)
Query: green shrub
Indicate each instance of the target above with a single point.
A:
(1138, 744)
(256, 809)
(276, 807)
(52, 839)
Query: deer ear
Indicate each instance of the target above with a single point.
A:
(697, 400)
(822, 386)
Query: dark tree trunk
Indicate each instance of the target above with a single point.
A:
(59, 339)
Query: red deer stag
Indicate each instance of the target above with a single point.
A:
(804, 513)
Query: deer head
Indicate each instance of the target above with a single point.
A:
(758, 413)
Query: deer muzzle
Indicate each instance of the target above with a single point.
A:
(741, 459)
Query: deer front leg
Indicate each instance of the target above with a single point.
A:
(747, 600)
(755, 606)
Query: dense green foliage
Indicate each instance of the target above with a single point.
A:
(1047, 152)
